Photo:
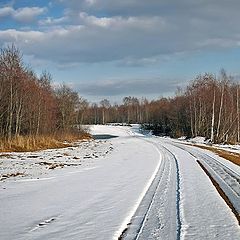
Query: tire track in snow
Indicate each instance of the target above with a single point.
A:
(135, 223)
(178, 196)
(227, 179)
(221, 192)
(139, 219)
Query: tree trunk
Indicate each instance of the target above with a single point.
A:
(213, 117)
(238, 123)
(103, 116)
(18, 116)
(195, 118)
(191, 120)
(220, 113)
(38, 118)
(95, 116)
(10, 111)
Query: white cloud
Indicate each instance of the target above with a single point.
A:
(139, 87)
(123, 22)
(53, 21)
(6, 11)
(161, 29)
(92, 20)
(20, 37)
(90, 2)
(124, 33)
(95, 39)
(134, 40)
(26, 14)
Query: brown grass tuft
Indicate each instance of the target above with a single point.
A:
(34, 143)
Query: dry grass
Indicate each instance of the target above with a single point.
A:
(9, 175)
(231, 156)
(34, 143)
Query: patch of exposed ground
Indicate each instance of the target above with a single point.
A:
(9, 175)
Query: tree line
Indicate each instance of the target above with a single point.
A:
(30, 105)
(208, 107)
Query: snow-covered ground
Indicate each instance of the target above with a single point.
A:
(94, 200)
(142, 186)
(33, 165)
(202, 141)
(185, 205)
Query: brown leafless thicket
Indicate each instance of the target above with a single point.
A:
(208, 107)
(28, 104)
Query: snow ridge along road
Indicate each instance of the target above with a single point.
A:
(226, 177)
(204, 214)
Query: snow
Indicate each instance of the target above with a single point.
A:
(231, 148)
(151, 186)
(33, 165)
(156, 216)
(92, 201)
(235, 148)
(198, 139)
(225, 173)
(204, 214)
(198, 213)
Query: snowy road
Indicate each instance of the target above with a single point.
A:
(185, 205)
(147, 188)
(226, 174)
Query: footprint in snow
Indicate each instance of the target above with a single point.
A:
(43, 224)
(46, 222)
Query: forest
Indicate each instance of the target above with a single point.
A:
(208, 107)
(32, 113)
(31, 108)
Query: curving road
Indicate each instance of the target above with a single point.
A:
(147, 188)
(186, 205)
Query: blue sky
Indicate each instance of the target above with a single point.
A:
(111, 48)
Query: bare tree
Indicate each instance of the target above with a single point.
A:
(105, 104)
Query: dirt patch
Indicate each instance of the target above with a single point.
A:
(232, 157)
(9, 175)
(33, 156)
(123, 234)
(56, 165)
(5, 155)
(52, 165)
(66, 154)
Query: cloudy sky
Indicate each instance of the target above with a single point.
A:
(113, 48)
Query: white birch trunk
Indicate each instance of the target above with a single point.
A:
(213, 118)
